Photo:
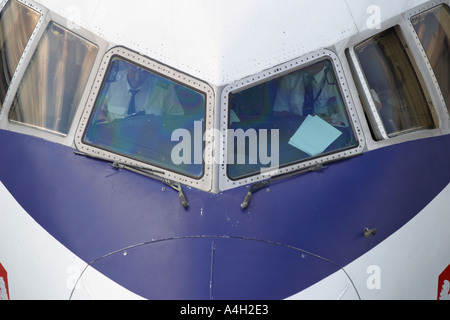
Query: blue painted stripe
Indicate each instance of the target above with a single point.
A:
(94, 210)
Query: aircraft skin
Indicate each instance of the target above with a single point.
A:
(73, 226)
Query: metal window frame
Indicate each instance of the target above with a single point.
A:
(372, 114)
(226, 182)
(46, 18)
(203, 183)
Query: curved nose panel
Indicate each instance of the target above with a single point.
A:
(207, 268)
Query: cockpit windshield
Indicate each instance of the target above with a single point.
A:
(286, 120)
(144, 116)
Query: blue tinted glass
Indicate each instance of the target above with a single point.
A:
(286, 120)
(143, 116)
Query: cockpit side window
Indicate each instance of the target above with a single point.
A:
(395, 89)
(433, 30)
(141, 115)
(17, 23)
(51, 89)
(293, 118)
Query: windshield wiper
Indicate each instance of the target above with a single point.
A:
(145, 172)
(262, 184)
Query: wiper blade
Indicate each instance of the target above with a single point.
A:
(262, 184)
(148, 173)
(118, 164)
(145, 172)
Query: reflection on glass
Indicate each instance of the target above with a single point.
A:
(51, 90)
(395, 88)
(146, 117)
(286, 120)
(17, 23)
(433, 29)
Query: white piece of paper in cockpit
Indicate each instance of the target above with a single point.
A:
(314, 136)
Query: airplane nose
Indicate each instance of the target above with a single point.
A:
(219, 268)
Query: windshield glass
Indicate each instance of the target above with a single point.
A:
(144, 116)
(394, 85)
(17, 23)
(55, 79)
(433, 29)
(286, 120)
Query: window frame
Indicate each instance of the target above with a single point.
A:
(225, 182)
(46, 18)
(434, 85)
(375, 122)
(205, 181)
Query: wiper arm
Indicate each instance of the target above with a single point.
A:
(145, 172)
(177, 187)
(253, 188)
(262, 184)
